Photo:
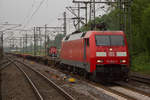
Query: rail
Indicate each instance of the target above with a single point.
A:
(59, 89)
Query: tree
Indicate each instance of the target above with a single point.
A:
(146, 28)
(58, 40)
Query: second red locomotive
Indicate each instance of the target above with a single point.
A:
(100, 54)
(53, 51)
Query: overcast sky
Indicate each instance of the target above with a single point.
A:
(20, 11)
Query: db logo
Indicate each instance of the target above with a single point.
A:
(111, 54)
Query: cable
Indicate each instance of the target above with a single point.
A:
(34, 12)
(29, 10)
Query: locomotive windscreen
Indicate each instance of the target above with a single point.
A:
(109, 40)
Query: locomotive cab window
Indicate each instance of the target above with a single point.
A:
(117, 40)
(109, 40)
(102, 40)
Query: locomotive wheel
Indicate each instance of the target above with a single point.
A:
(127, 77)
(93, 77)
(127, 80)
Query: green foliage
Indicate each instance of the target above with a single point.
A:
(146, 28)
(110, 19)
(139, 27)
(140, 59)
(141, 63)
(58, 40)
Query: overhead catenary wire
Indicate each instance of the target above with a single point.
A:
(29, 11)
(28, 21)
(35, 11)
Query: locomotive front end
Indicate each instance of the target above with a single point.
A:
(111, 56)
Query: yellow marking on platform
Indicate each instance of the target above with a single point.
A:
(72, 80)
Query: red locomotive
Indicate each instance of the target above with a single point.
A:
(100, 54)
(53, 51)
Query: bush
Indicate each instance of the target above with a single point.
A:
(141, 63)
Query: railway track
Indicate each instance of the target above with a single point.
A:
(44, 88)
(120, 90)
(4, 61)
(99, 86)
(5, 64)
(140, 79)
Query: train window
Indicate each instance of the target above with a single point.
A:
(117, 40)
(102, 40)
(109, 40)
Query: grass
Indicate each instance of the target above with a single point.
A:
(141, 63)
(143, 69)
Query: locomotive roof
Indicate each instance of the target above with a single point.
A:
(87, 34)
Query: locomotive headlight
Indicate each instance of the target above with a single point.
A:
(123, 61)
(121, 54)
(100, 61)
